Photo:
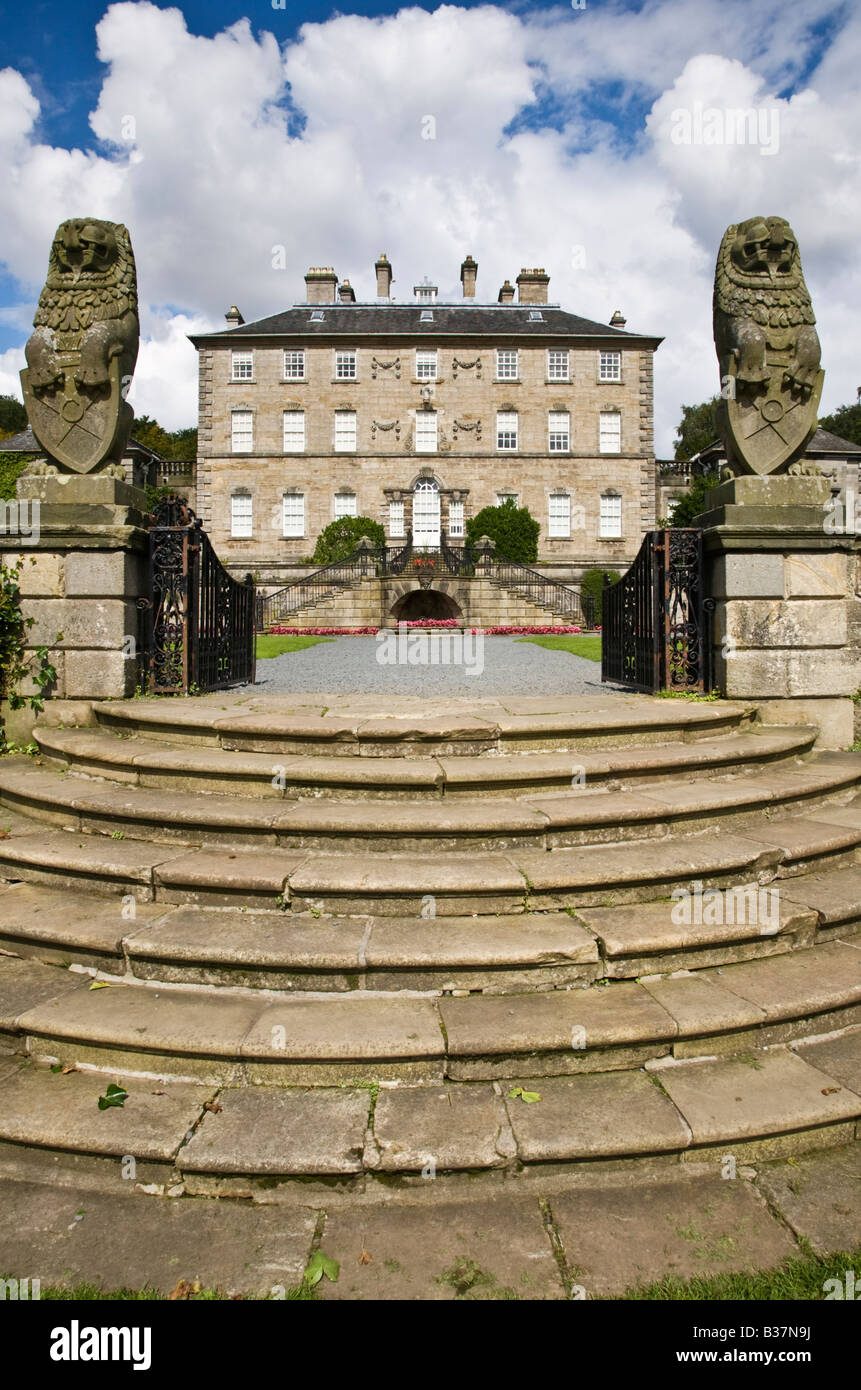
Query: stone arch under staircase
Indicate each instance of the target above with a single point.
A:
(346, 934)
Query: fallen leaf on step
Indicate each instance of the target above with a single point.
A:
(184, 1289)
(831, 1090)
(214, 1106)
(365, 1258)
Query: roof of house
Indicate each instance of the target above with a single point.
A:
(822, 442)
(25, 442)
(405, 320)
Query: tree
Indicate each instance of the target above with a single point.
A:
(693, 502)
(13, 416)
(844, 422)
(175, 444)
(592, 586)
(696, 429)
(513, 530)
(339, 539)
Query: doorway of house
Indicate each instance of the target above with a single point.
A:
(426, 514)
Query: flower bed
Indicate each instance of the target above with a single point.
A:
(322, 631)
(534, 631)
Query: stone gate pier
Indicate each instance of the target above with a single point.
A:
(787, 630)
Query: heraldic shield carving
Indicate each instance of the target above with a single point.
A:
(767, 347)
(84, 345)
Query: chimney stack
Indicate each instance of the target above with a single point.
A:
(506, 293)
(468, 276)
(346, 293)
(532, 286)
(233, 317)
(618, 320)
(320, 284)
(384, 277)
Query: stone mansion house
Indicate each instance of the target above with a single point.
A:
(419, 414)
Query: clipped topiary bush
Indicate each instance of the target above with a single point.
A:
(513, 530)
(339, 539)
(592, 586)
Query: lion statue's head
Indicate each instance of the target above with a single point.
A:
(91, 265)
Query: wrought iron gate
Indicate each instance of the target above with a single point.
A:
(656, 621)
(199, 620)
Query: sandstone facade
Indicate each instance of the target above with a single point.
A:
(424, 425)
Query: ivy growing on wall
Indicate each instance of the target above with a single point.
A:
(11, 468)
(17, 665)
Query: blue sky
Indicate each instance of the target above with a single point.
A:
(256, 127)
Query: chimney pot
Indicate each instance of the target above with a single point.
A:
(532, 285)
(384, 276)
(346, 293)
(320, 285)
(618, 320)
(506, 293)
(233, 317)
(468, 276)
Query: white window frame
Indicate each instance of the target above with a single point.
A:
(610, 520)
(427, 358)
(294, 353)
(559, 515)
(456, 521)
(427, 432)
(293, 524)
(559, 434)
(346, 358)
(241, 516)
(510, 432)
(507, 364)
(241, 365)
(502, 497)
(609, 364)
(346, 441)
(346, 504)
(560, 371)
(242, 431)
(610, 442)
(294, 439)
(397, 520)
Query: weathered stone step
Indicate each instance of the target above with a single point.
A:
(542, 821)
(374, 727)
(225, 1141)
(231, 1036)
(147, 763)
(597, 875)
(491, 954)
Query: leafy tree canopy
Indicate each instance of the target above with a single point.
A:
(696, 429)
(13, 416)
(171, 444)
(693, 502)
(339, 539)
(513, 530)
(844, 422)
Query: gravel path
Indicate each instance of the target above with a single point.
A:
(497, 666)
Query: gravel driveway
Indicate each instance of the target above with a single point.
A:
(496, 666)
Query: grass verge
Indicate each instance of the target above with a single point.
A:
(586, 644)
(269, 644)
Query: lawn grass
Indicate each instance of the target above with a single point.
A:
(801, 1277)
(271, 644)
(586, 644)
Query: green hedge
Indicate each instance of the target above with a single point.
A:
(592, 584)
(513, 530)
(11, 468)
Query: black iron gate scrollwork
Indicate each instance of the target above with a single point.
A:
(656, 621)
(198, 622)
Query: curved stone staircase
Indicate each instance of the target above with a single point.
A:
(341, 940)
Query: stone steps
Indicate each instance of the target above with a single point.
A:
(397, 884)
(275, 950)
(208, 1138)
(233, 1036)
(143, 762)
(347, 726)
(549, 821)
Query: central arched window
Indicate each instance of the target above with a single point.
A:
(426, 513)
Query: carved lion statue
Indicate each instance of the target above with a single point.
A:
(88, 306)
(761, 302)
